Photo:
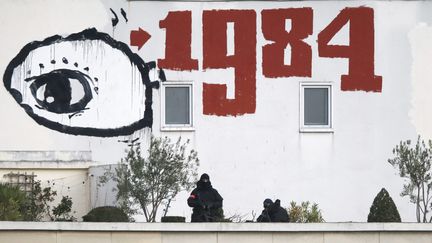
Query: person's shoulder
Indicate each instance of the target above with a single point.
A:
(214, 190)
(283, 210)
(216, 193)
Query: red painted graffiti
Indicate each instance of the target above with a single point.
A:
(273, 28)
(178, 27)
(139, 38)
(360, 51)
(243, 61)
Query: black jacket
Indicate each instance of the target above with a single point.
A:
(206, 203)
(274, 213)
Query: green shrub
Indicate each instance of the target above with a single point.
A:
(12, 203)
(220, 216)
(383, 209)
(305, 213)
(173, 219)
(106, 214)
(63, 209)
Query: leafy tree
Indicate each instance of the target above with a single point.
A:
(12, 200)
(305, 213)
(383, 209)
(146, 183)
(414, 164)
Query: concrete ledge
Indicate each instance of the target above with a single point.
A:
(45, 159)
(215, 227)
(46, 165)
(45, 156)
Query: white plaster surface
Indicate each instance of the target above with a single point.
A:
(420, 38)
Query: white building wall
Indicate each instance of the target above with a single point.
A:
(255, 156)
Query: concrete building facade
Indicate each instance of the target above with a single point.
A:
(291, 100)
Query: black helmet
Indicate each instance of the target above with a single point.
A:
(268, 202)
(205, 177)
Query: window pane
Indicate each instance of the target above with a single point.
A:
(316, 107)
(177, 107)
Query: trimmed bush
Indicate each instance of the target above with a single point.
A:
(106, 214)
(177, 219)
(383, 209)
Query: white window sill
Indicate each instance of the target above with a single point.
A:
(177, 128)
(316, 130)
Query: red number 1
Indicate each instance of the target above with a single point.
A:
(178, 27)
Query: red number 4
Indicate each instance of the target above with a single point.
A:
(360, 51)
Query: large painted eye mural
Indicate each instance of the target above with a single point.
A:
(84, 84)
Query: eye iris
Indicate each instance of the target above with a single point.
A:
(58, 91)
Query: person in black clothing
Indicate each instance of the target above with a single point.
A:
(206, 202)
(273, 212)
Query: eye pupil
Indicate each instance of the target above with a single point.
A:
(58, 90)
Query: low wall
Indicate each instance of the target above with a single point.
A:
(65, 232)
(65, 172)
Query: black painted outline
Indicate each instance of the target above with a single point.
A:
(114, 20)
(88, 34)
(43, 79)
(124, 14)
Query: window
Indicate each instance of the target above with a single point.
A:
(316, 107)
(176, 106)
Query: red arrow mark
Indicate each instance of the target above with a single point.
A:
(139, 38)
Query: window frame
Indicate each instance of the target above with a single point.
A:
(329, 128)
(177, 127)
